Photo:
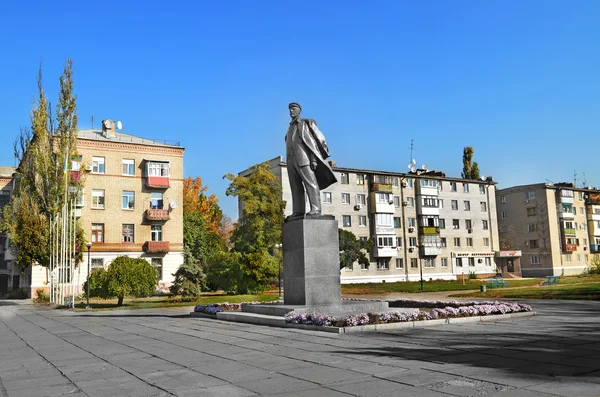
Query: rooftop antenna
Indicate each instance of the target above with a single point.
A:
(92, 121)
(411, 151)
(584, 181)
(574, 178)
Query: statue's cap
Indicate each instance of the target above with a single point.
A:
(295, 104)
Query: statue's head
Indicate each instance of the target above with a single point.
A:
(295, 109)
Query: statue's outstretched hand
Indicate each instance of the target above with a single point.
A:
(313, 165)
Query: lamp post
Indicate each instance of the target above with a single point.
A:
(89, 247)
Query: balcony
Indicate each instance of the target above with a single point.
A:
(384, 252)
(158, 182)
(569, 231)
(594, 248)
(75, 176)
(156, 215)
(382, 187)
(430, 250)
(429, 230)
(570, 247)
(157, 246)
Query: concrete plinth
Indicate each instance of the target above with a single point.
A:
(311, 261)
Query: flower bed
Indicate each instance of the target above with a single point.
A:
(214, 308)
(430, 310)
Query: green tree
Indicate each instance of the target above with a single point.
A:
(130, 277)
(470, 168)
(98, 280)
(249, 266)
(189, 281)
(352, 249)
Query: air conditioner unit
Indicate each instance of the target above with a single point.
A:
(405, 203)
(526, 201)
(88, 167)
(411, 249)
(585, 248)
(411, 229)
(470, 230)
(403, 183)
(357, 207)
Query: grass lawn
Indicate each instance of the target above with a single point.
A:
(166, 301)
(428, 286)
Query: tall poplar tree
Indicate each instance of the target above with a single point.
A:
(470, 168)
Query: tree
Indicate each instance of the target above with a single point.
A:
(470, 168)
(353, 249)
(189, 281)
(125, 277)
(196, 201)
(250, 266)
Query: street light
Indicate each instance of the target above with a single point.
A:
(89, 247)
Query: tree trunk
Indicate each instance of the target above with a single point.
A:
(120, 301)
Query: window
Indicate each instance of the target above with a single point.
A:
(158, 169)
(97, 232)
(459, 262)
(457, 241)
(533, 244)
(411, 202)
(409, 183)
(344, 178)
(531, 227)
(534, 260)
(472, 262)
(582, 211)
(79, 200)
(345, 198)
(483, 205)
(384, 220)
(98, 165)
(397, 222)
(444, 262)
(442, 223)
(383, 263)
(412, 241)
(412, 222)
(529, 195)
(385, 242)
(414, 263)
(396, 201)
(443, 242)
(128, 200)
(531, 211)
(428, 183)
(364, 266)
(484, 224)
(429, 263)
(128, 167)
(396, 181)
(569, 258)
(127, 233)
(481, 188)
(399, 263)
(486, 242)
(156, 201)
(346, 220)
(430, 201)
(157, 264)
(399, 242)
(360, 179)
(454, 204)
(452, 186)
(455, 224)
(327, 197)
(384, 197)
(468, 224)
(97, 263)
(441, 203)
(360, 199)
(362, 220)
(503, 199)
(578, 258)
(98, 199)
(488, 261)
(580, 195)
(156, 232)
(465, 187)
(467, 205)
(574, 210)
(503, 215)
(469, 241)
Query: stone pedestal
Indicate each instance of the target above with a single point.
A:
(311, 261)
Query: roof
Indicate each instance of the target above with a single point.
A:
(6, 171)
(94, 134)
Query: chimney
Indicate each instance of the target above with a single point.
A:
(108, 128)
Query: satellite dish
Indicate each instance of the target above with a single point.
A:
(173, 204)
(119, 125)
(412, 168)
(414, 161)
(424, 166)
(483, 177)
(108, 123)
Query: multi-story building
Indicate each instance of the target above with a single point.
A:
(555, 226)
(129, 202)
(420, 222)
(10, 278)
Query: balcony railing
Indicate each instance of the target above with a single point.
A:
(157, 246)
(569, 231)
(430, 230)
(382, 187)
(570, 247)
(156, 215)
(161, 182)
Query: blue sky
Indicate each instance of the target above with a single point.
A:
(517, 80)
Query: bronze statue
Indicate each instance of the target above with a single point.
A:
(308, 172)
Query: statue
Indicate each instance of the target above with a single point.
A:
(308, 172)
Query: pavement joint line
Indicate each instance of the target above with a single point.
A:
(96, 356)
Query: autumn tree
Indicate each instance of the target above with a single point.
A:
(352, 249)
(250, 265)
(470, 168)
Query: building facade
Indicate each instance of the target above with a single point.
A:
(555, 226)
(420, 222)
(129, 204)
(10, 278)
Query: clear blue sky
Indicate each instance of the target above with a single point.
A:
(517, 80)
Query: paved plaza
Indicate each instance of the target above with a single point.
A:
(164, 352)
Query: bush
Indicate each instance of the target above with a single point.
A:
(98, 284)
(594, 266)
(189, 281)
(42, 295)
(472, 276)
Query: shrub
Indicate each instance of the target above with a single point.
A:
(98, 284)
(594, 266)
(189, 281)
(472, 276)
(42, 295)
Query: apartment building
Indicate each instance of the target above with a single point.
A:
(555, 226)
(420, 222)
(10, 278)
(129, 204)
